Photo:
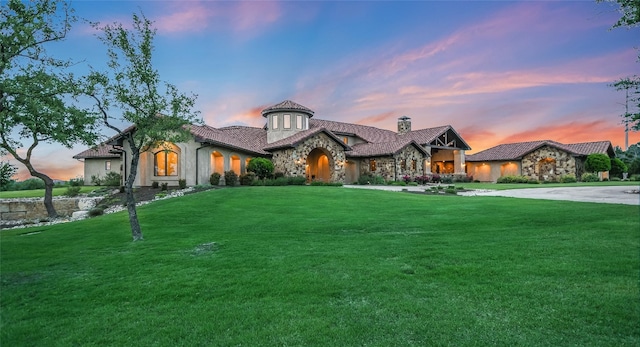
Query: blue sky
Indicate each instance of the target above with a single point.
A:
(497, 71)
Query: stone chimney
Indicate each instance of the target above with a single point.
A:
(404, 125)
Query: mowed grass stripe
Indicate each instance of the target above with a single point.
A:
(328, 266)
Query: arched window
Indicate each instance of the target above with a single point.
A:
(166, 163)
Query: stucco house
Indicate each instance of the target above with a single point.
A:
(100, 160)
(298, 145)
(544, 160)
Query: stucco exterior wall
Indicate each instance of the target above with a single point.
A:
(492, 170)
(97, 167)
(548, 163)
(293, 161)
(281, 132)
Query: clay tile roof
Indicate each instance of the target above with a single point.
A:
(287, 105)
(515, 151)
(237, 137)
(367, 133)
(295, 139)
(586, 148)
(382, 149)
(100, 151)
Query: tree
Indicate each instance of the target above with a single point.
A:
(631, 87)
(262, 167)
(617, 167)
(6, 172)
(629, 13)
(35, 91)
(158, 112)
(597, 162)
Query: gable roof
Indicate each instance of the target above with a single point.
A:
(102, 150)
(365, 132)
(439, 137)
(383, 149)
(515, 151)
(298, 137)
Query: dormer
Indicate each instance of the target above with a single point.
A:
(285, 119)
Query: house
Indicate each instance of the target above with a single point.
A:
(543, 160)
(299, 145)
(100, 160)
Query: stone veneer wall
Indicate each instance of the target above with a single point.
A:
(292, 161)
(390, 168)
(565, 163)
(409, 154)
(17, 209)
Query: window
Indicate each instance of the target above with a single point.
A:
(166, 163)
(287, 121)
(372, 165)
(274, 121)
(107, 165)
(298, 121)
(413, 164)
(345, 140)
(403, 164)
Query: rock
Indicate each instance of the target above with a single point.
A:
(79, 215)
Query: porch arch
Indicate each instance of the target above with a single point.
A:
(217, 162)
(320, 165)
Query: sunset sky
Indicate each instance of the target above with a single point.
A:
(497, 71)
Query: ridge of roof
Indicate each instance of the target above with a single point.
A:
(516, 150)
(300, 136)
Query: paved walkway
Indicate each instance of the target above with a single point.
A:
(605, 195)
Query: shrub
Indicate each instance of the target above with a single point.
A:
(616, 179)
(398, 183)
(406, 179)
(513, 179)
(413, 183)
(634, 178)
(297, 180)
(589, 177)
(597, 162)
(568, 178)
(617, 168)
(164, 186)
(424, 179)
(77, 182)
(247, 179)
(73, 191)
(121, 189)
(96, 211)
(533, 181)
(278, 174)
(446, 179)
(451, 190)
(230, 178)
(262, 167)
(112, 179)
(155, 185)
(370, 179)
(435, 178)
(182, 183)
(214, 179)
(96, 180)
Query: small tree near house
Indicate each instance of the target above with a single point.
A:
(597, 162)
(262, 167)
(158, 112)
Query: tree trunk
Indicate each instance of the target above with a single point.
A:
(136, 231)
(48, 191)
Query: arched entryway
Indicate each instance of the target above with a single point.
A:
(217, 162)
(319, 165)
(546, 169)
(234, 164)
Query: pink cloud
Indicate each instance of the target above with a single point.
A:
(189, 16)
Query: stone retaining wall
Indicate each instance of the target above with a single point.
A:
(19, 209)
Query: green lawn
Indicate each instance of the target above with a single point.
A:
(39, 193)
(504, 186)
(328, 266)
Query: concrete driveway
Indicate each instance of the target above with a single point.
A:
(605, 195)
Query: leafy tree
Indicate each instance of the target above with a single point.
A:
(262, 167)
(631, 87)
(34, 88)
(597, 162)
(6, 172)
(158, 112)
(629, 13)
(617, 167)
